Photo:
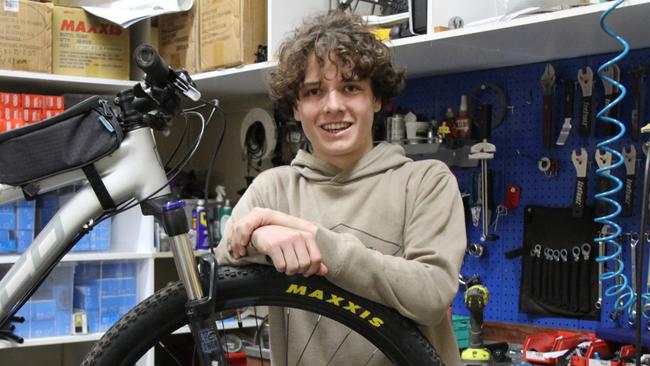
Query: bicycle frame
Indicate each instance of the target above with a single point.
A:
(134, 170)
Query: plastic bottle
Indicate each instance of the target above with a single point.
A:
(220, 192)
(224, 216)
(202, 241)
(463, 122)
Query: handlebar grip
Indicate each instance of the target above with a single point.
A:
(149, 61)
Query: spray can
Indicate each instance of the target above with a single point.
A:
(214, 224)
(224, 216)
(202, 238)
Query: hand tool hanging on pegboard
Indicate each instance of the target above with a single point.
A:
(611, 93)
(603, 159)
(634, 241)
(630, 174)
(580, 194)
(548, 85)
(586, 80)
(484, 151)
(569, 91)
(638, 101)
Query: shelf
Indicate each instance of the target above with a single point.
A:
(536, 38)
(34, 82)
(87, 256)
(171, 255)
(249, 322)
(52, 340)
(542, 37)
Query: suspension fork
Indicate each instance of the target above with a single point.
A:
(199, 307)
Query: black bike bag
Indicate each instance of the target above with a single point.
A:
(74, 139)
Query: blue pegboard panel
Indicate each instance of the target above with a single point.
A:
(519, 148)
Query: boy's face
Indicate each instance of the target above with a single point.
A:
(336, 114)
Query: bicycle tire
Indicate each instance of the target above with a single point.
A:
(257, 285)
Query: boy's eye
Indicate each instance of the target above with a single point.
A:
(350, 88)
(312, 92)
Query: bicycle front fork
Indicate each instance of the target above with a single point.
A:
(199, 308)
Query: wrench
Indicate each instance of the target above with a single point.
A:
(569, 91)
(556, 293)
(584, 286)
(616, 313)
(548, 84)
(603, 160)
(535, 253)
(638, 104)
(634, 241)
(613, 72)
(573, 277)
(586, 80)
(564, 274)
(580, 194)
(629, 159)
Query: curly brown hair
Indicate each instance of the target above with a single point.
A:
(348, 37)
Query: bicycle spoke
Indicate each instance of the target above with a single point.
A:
(339, 347)
(164, 348)
(371, 356)
(308, 340)
(286, 343)
(259, 341)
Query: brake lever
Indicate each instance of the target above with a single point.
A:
(183, 83)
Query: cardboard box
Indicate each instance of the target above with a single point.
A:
(85, 45)
(13, 100)
(178, 39)
(230, 32)
(26, 37)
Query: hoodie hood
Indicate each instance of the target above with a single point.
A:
(381, 158)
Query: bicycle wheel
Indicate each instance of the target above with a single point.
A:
(162, 313)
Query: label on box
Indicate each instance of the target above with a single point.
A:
(85, 45)
(12, 5)
(26, 37)
(12, 100)
(543, 356)
(593, 362)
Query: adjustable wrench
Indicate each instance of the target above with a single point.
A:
(603, 160)
(586, 80)
(580, 194)
(569, 91)
(548, 84)
(629, 158)
(638, 104)
(613, 72)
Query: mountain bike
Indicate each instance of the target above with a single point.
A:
(125, 171)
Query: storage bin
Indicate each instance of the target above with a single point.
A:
(17, 223)
(48, 312)
(105, 291)
(460, 323)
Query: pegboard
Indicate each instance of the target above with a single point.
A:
(519, 147)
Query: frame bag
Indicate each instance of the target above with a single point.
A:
(74, 139)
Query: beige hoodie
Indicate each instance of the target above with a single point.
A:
(389, 229)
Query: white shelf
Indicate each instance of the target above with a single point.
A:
(249, 322)
(543, 37)
(52, 340)
(23, 81)
(87, 256)
(536, 38)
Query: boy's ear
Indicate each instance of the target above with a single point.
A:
(377, 104)
(296, 114)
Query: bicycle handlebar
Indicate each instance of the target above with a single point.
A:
(156, 69)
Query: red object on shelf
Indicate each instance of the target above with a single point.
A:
(236, 358)
(547, 348)
(603, 348)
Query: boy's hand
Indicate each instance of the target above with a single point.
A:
(292, 251)
(242, 230)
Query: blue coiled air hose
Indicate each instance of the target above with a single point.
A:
(624, 293)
